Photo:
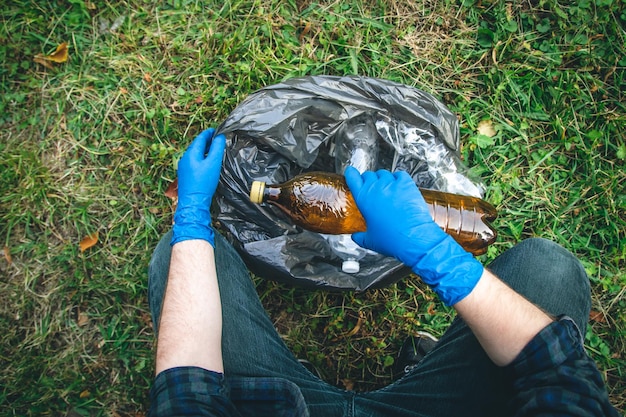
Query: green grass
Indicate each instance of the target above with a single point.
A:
(90, 146)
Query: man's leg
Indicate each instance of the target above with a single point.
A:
(549, 276)
(251, 346)
(457, 377)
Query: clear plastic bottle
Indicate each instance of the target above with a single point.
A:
(356, 145)
(350, 253)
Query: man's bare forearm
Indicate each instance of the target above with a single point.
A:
(190, 330)
(502, 320)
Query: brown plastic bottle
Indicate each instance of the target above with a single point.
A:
(321, 202)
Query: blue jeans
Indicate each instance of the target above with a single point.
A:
(455, 378)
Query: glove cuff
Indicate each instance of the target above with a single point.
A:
(449, 270)
(192, 223)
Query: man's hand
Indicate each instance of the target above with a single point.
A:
(198, 176)
(399, 224)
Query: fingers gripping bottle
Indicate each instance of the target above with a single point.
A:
(321, 202)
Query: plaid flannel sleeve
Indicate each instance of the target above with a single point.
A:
(190, 391)
(553, 376)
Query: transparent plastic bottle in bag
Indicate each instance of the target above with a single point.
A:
(356, 145)
(351, 253)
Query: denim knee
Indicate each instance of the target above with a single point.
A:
(548, 275)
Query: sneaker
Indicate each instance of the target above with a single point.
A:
(413, 351)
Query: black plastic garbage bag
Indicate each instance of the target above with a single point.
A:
(289, 128)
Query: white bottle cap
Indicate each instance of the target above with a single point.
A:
(350, 266)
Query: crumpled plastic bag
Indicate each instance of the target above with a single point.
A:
(289, 128)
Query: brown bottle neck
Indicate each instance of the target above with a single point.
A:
(271, 193)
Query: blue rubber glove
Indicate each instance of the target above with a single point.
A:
(197, 181)
(399, 224)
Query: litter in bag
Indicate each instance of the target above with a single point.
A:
(292, 127)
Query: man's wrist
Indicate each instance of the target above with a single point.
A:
(190, 232)
(192, 223)
(449, 270)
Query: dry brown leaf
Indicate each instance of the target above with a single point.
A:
(7, 255)
(146, 319)
(83, 319)
(305, 30)
(59, 56)
(357, 326)
(431, 309)
(88, 241)
(172, 190)
(172, 193)
(43, 62)
(486, 128)
(597, 316)
(348, 384)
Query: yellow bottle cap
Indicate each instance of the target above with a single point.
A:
(256, 191)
